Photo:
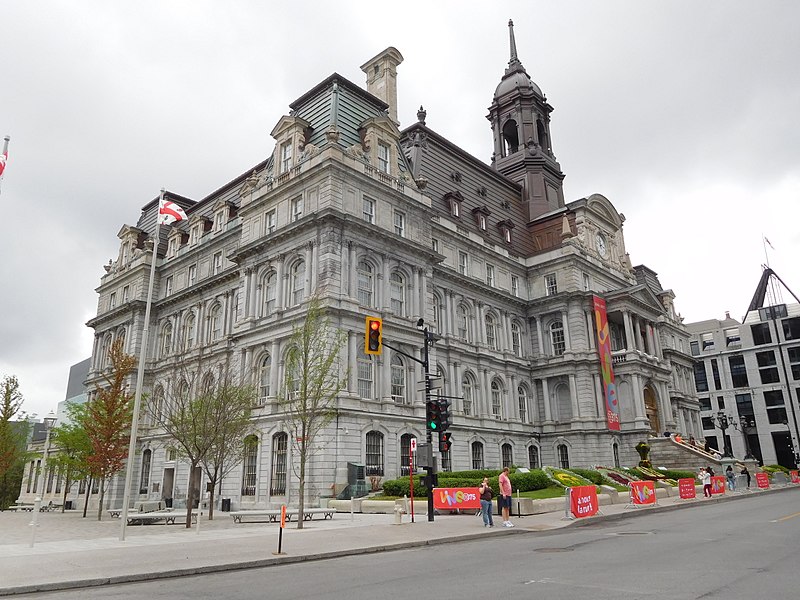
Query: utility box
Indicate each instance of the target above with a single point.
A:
(226, 505)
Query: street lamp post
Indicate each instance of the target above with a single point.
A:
(723, 423)
(744, 425)
(49, 421)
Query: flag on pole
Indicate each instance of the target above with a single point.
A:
(169, 212)
(3, 161)
(768, 243)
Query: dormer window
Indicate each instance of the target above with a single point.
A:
(482, 222)
(194, 233)
(219, 220)
(172, 246)
(286, 157)
(383, 157)
(505, 230)
(481, 217)
(454, 200)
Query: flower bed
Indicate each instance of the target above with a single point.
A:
(565, 478)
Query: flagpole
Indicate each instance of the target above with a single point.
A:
(140, 377)
(4, 153)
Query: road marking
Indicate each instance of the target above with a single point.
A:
(797, 514)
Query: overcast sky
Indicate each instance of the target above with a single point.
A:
(685, 114)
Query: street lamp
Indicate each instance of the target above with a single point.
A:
(49, 421)
(723, 423)
(744, 425)
(795, 454)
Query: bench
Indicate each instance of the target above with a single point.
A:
(22, 507)
(273, 515)
(168, 516)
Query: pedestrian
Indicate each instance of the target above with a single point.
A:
(691, 441)
(486, 494)
(731, 478)
(505, 497)
(707, 447)
(705, 478)
(746, 472)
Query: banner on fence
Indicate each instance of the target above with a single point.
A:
(718, 484)
(606, 367)
(795, 476)
(686, 488)
(762, 479)
(643, 492)
(456, 498)
(583, 501)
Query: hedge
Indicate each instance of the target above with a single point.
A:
(524, 482)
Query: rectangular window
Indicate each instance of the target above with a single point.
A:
(383, 157)
(286, 157)
(700, 377)
(767, 367)
(694, 348)
(586, 282)
(708, 341)
(773, 398)
(777, 416)
(297, 208)
(515, 286)
(761, 334)
(217, 262)
(794, 359)
(738, 371)
(191, 275)
(219, 221)
(489, 275)
(744, 405)
(168, 286)
(477, 456)
(482, 222)
(126, 294)
(399, 223)
(463, 263)
(368, 210)
(278, 484)
(550, 284)
(112, 300)
(715, 374)
(172, 246)
(772, 312)
(791, 328)
(364, 365)
(705, 403)
(435, 244)
(270, 222)
(374, 454)
(708, 423)
(732, 337)
(721, 402)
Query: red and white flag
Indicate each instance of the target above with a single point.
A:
(3, 161)
(169, 212)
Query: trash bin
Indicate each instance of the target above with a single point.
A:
(168, 502)
(68, 505)
(226, 505)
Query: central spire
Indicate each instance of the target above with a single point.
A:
(514, 64)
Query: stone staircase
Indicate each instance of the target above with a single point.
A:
(666, 452)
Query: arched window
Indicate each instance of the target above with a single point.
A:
(166, 339)
(477, 456)
(522, 399)
(374, 453)
(468, 392)
(208, 383)
(215, 323)
(405, 450)
(250, 464)
(279, 449)
(497, 399)
(397, 286)
(516, 340)
(491, 332)
(144, 482)
(563, 456)
(563, 402)
(510, 137)
(463, 322)
(298, 281)
(269, 286)
(157, 405)
(264, 370)
(533, 457)
(121, 337)
(183, 392)
(365, 368)
(436, 311)
(105, 348)
(188, 331)
(557, 341)
(366, 284)
(398, 379)
(506, 455)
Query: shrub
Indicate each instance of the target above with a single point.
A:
(524, 482)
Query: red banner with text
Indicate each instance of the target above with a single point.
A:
(456, 498)
(583, 501)
(795, 476)
(686, 488)
(643, 492)
(762, 479)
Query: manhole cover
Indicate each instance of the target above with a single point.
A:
(554, 550)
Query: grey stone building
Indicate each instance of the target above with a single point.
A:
(750, 373)
(403, 224)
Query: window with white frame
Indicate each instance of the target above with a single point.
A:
(296, 208)
(366, 283)
(249, 465)
(172, 246)
(400, 223)
(365, 372)
(550, 284)
(435, 244)
(482, 222)
(522, 402)
(516, 339)
(383, 157)
(436, 311)
(373, 454)
(191, 275)
(462, 317)
(112, 300)
(398, 379)
(557, 339)
(215, 323)
(477, 456)
(188, 333)
(194, 233)
(144, 482)
(219, 220)
(468, 393)
(168, 286)
(507, 234)
(463, 263)
(126, 294)
(497, 400)
(397, 292)
(489, 275)
(298, 282)
(587, 283)
(270, 221)
(368, 210)
(269, 287)
(506, 456)
(166, 339)
(491, 332)
(286, 157)
(264, 368)
(157, 404)
(515, 286)
(279, 447)
(217, 262)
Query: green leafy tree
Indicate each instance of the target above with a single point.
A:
(311, 386)
(72, 448)
(107, 420)
(13, 439)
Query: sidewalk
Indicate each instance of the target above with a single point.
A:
(72, 552)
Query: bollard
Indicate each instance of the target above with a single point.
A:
(398, 515)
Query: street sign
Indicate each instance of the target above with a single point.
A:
(413, 444)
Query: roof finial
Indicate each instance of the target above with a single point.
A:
(514, 58)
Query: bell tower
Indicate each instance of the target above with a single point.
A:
(523, 152)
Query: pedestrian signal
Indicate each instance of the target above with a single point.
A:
(373, 336)
(445, 441)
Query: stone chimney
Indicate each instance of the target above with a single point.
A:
(381, 74)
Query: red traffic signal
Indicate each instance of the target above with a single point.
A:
(373, 335)
(445, 441)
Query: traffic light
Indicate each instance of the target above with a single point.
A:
(445, 441)
(445, 418)
(373, 336)
(432, 415)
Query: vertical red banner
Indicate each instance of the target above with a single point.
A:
(795, 476)
(718, 484)
(762, 479)
(686, 488)
(606, 367)
(583, 501)
(643, 492)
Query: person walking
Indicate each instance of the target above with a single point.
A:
(505, 497)
(485, 491)
(746, 472)
(705, 478)
(731, 478)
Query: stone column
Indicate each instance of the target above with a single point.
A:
(590, 329)
(567, 337)
(548, 410)
(352, 360)
(573, 395)
(280, 300)
(352, 274)
(413, 304)
(630, 340)
(386, 299)
(309, 268)
(638, 333)
(274, 368)
(539, 338)
(249, 297)
(487, 395)
(599, 396)
(513, 412)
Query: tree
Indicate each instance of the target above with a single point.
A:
(107, 420)
(207, 415)
(13, 439)
(312, 383)
(72, 448)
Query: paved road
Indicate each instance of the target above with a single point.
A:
(736, 550)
